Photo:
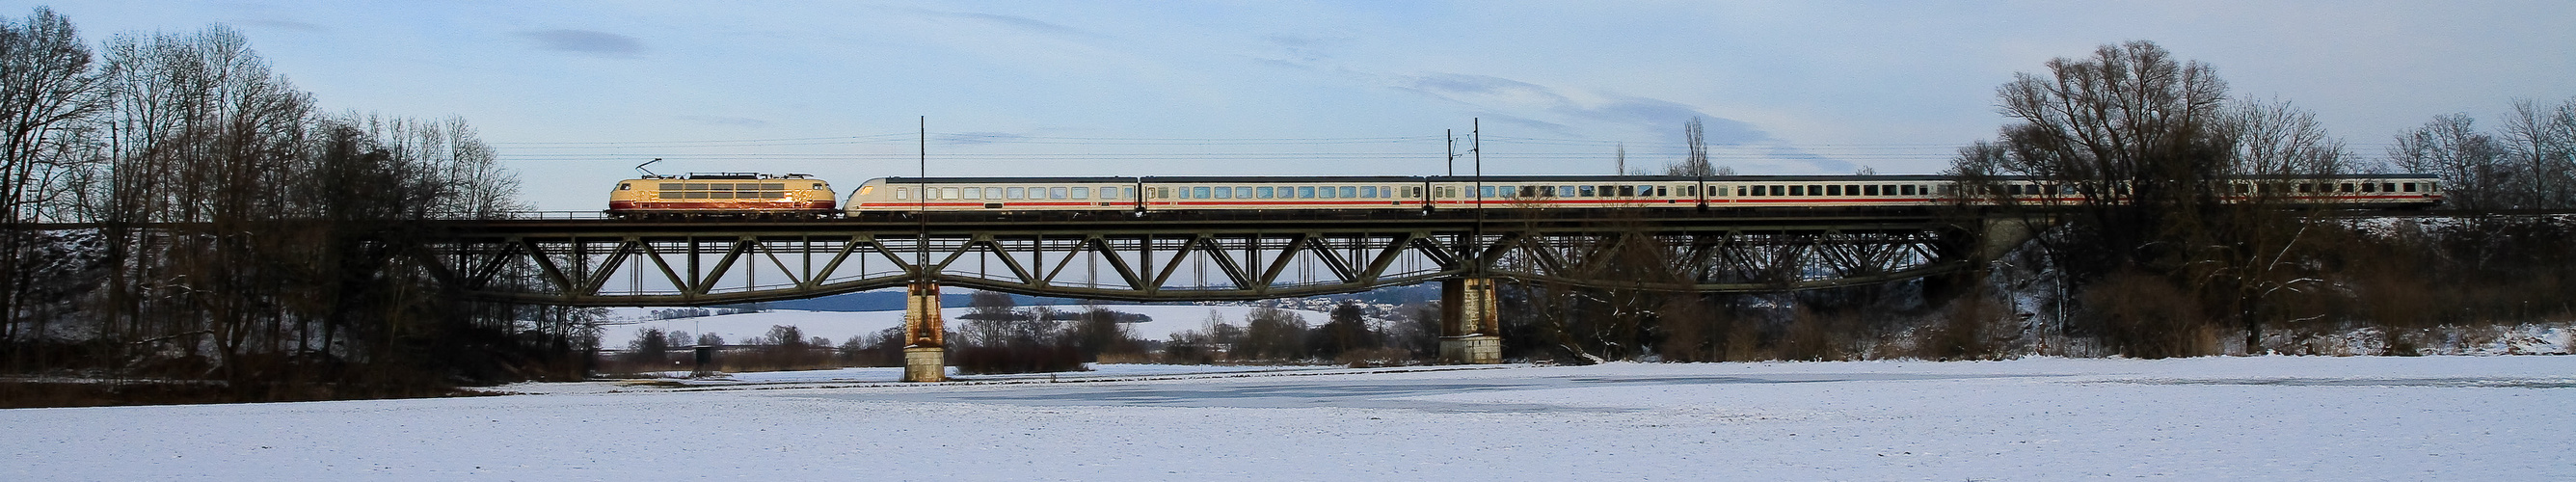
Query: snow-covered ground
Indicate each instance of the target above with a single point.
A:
(841, 325)
(2235, 418)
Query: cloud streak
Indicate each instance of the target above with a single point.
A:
(586, 42)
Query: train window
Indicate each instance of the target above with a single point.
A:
(1264, 192)
(992, 193)
(2387, 187)
(1368, 191)
(1326, 192)
(1019, 193)
(1797, 190)
(2369, 187)
(1350, 191)
(1657, 191)
(1833, 190)
(1224, 192)
(1243, 192)
(1628, 191)
(1869, 190)
(1082, 193)
(1586, 191)
(1305, 192)
(948, 193)
(1056, 193)
(1906, 189)
(1488, 191)
(901, 193)
(2410, 187)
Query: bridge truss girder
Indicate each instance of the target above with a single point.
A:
(657, 264)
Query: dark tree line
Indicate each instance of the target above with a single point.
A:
(2155, 256)
(236, 233)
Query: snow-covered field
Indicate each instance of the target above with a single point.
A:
(2236, 418)
(841, 325)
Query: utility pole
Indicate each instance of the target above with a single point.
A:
(1452, 135)
(921, 256)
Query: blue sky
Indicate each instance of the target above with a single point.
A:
(575, 93)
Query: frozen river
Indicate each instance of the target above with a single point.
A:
(2310, 418)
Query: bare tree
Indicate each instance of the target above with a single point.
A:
(48, 92)
(2541, 140)
(1696, 162)
(2134, 132)
(2468, 161)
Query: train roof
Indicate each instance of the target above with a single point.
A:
(1531, 178)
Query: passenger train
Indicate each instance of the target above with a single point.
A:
(1438, 192)
(738, 194)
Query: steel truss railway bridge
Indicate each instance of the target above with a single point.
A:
(1170, 256)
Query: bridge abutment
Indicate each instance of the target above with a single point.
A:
(925, 350)
(1469, 330)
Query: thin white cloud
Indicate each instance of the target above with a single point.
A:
(588, 42)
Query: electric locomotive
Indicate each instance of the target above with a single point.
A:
(722, 194)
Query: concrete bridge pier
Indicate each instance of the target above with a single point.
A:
(1469, 331)
(925, 350)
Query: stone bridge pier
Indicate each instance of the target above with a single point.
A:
(925, 349)
(1469, 332)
